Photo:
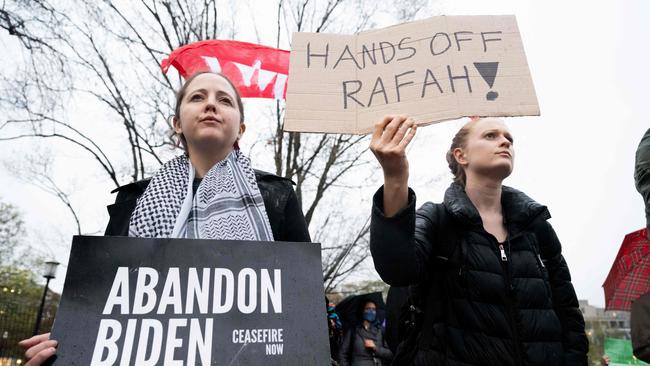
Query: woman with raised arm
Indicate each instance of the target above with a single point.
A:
(210, 192)
(494, 288)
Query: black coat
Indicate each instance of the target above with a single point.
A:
(480, 309)
(280, 201)
(640, 324)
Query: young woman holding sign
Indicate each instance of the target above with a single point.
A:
(210, 192)
(493, 286)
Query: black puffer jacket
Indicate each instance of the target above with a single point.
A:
(280, 201)
(479, 308)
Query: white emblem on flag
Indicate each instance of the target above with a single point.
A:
(213, 63)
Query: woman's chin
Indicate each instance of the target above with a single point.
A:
(504, 171)
(212, 142)
(500, 171)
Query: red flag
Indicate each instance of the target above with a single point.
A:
(257, 71)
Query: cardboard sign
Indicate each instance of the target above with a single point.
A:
(433, 70)
(129, 301)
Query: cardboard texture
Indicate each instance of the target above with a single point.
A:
(433, 70)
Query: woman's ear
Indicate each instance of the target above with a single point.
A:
(459, 155)
(176, 123)
(242, 129)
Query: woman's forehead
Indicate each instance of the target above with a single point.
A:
(489, 123)
(210, 82)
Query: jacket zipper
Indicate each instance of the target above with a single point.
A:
(504, 258)
(510, 303)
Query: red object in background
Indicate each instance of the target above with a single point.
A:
(257, 71)
(629, 276)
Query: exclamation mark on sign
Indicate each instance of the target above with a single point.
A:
(488, 71)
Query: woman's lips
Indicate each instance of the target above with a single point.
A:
(210, 120)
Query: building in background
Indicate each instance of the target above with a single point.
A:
(600, 324)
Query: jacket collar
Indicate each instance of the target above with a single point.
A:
(520, 211)
(262, 175)
(138, 186)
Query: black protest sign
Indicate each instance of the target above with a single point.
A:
(132, 301)
(433, 70)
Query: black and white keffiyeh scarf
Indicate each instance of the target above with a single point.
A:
(227, 205)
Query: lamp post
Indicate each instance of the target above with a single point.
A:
(50, 272)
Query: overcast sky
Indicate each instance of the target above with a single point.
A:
(589, 61)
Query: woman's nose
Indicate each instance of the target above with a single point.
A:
(211, 104)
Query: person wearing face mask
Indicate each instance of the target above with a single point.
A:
(496, 290)
(364, 345)
(209, 192)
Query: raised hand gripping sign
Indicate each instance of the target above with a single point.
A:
(129, 301)
(433, 70)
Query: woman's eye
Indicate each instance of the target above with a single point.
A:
(196, 97)
(226, 101)
(490, 135)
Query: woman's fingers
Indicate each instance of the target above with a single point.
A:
(389, 145)
(380, 126)
(35, 350)
(391, 129)
(38, 348)
(389, 132)
(409, 136)
(376, 143)
(402, 130)
(31, 342)
(41, 357)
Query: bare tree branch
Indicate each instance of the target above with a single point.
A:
(106, 55)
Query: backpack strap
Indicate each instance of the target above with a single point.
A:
(447, 233)
(426, 301)
(449, 253)
(535, 245)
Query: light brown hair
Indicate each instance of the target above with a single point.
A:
(459, 141)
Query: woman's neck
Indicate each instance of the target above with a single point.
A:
(485, 193)
(366, 324)
(204, 161)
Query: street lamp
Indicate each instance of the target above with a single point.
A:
(50, 272)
